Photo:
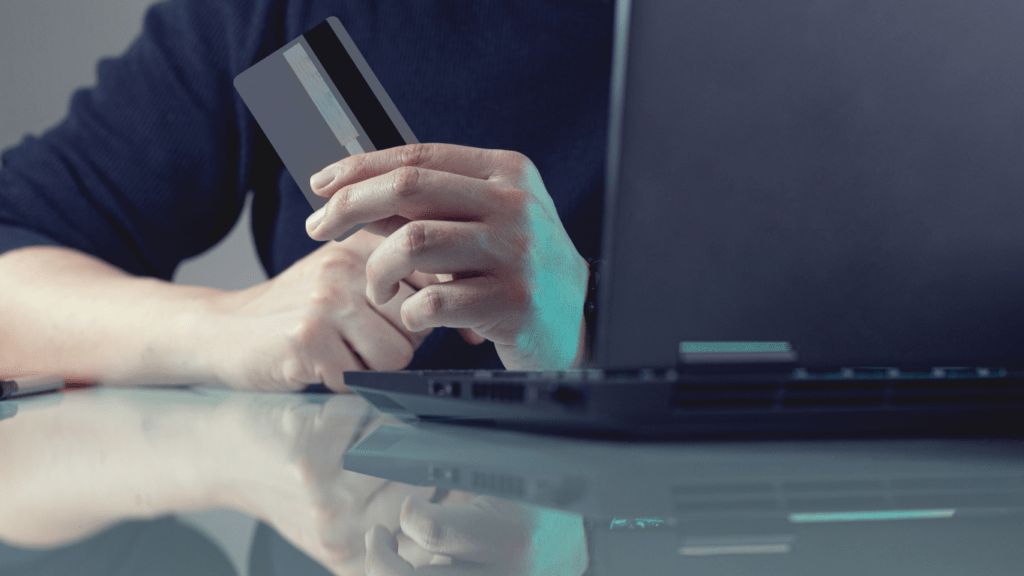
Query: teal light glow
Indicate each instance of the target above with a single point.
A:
(870, 515)
(697, 347)
(635, 522)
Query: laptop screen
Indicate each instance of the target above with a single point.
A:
(843, 175)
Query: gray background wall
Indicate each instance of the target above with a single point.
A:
(48, 48)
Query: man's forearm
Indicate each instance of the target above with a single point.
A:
(71, 470)
(69, 313)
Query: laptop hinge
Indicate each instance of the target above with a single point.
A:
(736, 357)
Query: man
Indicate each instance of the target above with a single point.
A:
(152, 165)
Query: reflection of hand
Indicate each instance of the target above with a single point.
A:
(484, 536)
(283, 464)
(312, 322)
(102, 456)
(484, 221)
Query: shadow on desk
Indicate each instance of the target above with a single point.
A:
(156, 548)
(141, 548)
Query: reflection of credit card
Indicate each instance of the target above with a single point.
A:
(317, 101)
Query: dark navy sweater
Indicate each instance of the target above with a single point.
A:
(152, 165)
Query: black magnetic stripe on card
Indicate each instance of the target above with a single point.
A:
(357, 93)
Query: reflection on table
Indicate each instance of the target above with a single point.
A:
(769, 507)
(91, 480)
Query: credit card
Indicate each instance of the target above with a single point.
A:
(317, 101)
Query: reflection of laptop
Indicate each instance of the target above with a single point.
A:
(706, 483)
(812, 224)
(810, 507)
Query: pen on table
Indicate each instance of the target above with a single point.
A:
(30, 385)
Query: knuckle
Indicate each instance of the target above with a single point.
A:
(516, 200)
(516, 162)
(304, 473)
(405, 180)
(327, 293)
(293, 370)
(520, 245)
(306, 333)
(322, 514)
(433, 303)
(415, 155)
(515, 294)
(340, 202)
(414, 238)
(344, 262)
(338, 551)
(324, 295)
(510, 159)
(424, 309)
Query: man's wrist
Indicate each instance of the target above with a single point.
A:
(193, 346)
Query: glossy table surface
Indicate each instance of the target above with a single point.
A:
(197, 481)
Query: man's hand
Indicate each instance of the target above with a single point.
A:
(314, 321)
(484, 535)
(282, 462)
(484, 223)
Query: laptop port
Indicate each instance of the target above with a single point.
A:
(452, 389)
(568, 396)
(508, 392)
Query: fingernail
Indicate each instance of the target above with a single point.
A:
(314, 220)
(322, 178)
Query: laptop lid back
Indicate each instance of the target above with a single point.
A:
(843, 175)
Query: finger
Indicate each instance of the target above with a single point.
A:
(323, 357)
(464, 532)
(415, 555)
(387, 226)
(419, 280)
(412, 193)
(430, 246)
(477, 303)
(466, 161)
(382, 557)
(343, 359)
(470, 336)
(379, 343)
(358, 246)
(392, 312)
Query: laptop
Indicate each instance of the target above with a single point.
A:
(783, 507)
(812, 225)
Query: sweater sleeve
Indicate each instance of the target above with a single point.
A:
(145, 170)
